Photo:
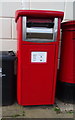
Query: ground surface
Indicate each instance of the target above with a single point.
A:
(59, 110)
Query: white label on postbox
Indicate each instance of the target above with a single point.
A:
(40, 57)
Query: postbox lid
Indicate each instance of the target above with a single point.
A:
(39, 14)
(68, 25)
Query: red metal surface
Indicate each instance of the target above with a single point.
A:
(74, 60)
(70, 25)
(36, 82)
(67, 56)
(39, 14)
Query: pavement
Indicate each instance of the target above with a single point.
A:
(58, 110)
(0, 112)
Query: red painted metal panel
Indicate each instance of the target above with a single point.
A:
(74, 59)
(69, 25)
(66, 61)
(19, 62)
(37, 85)
(67, 53)
(38, 14)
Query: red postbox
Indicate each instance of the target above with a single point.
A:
(38, 34)
(66, 74)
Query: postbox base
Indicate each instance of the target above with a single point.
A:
(66, 92)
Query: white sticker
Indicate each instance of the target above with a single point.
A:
(0, 69)
(39, 57)
(1, 75)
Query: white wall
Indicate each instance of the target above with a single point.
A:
(7, 17)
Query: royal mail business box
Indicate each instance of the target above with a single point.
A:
(38, 35)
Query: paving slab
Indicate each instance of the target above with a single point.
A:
(65, 106)
(17, 111)
(46, 113)
(0, 113)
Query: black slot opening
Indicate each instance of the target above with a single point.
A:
(38, 24)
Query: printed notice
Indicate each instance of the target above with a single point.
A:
(40, 57)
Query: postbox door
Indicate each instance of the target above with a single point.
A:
(37, 76)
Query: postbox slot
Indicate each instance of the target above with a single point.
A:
(39, 24)
(40, 31)
(39, 36)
